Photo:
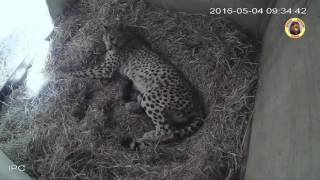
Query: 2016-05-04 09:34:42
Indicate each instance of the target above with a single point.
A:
(258, 11)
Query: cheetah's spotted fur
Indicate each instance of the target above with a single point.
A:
(165, 95)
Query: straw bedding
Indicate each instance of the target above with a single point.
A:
(72, 128)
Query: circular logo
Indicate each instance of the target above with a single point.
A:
(295, 28)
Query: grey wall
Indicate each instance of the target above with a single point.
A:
(285, 139)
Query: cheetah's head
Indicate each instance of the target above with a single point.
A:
(114, 37)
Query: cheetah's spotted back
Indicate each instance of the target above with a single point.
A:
(166, 96)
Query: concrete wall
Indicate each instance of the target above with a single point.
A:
(285, 139)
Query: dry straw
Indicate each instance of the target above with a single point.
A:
(71, 130)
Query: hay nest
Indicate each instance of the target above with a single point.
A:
(73, 127)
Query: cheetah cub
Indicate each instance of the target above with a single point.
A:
(165, 95)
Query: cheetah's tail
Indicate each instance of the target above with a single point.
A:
(177, 134)
(185, 131)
